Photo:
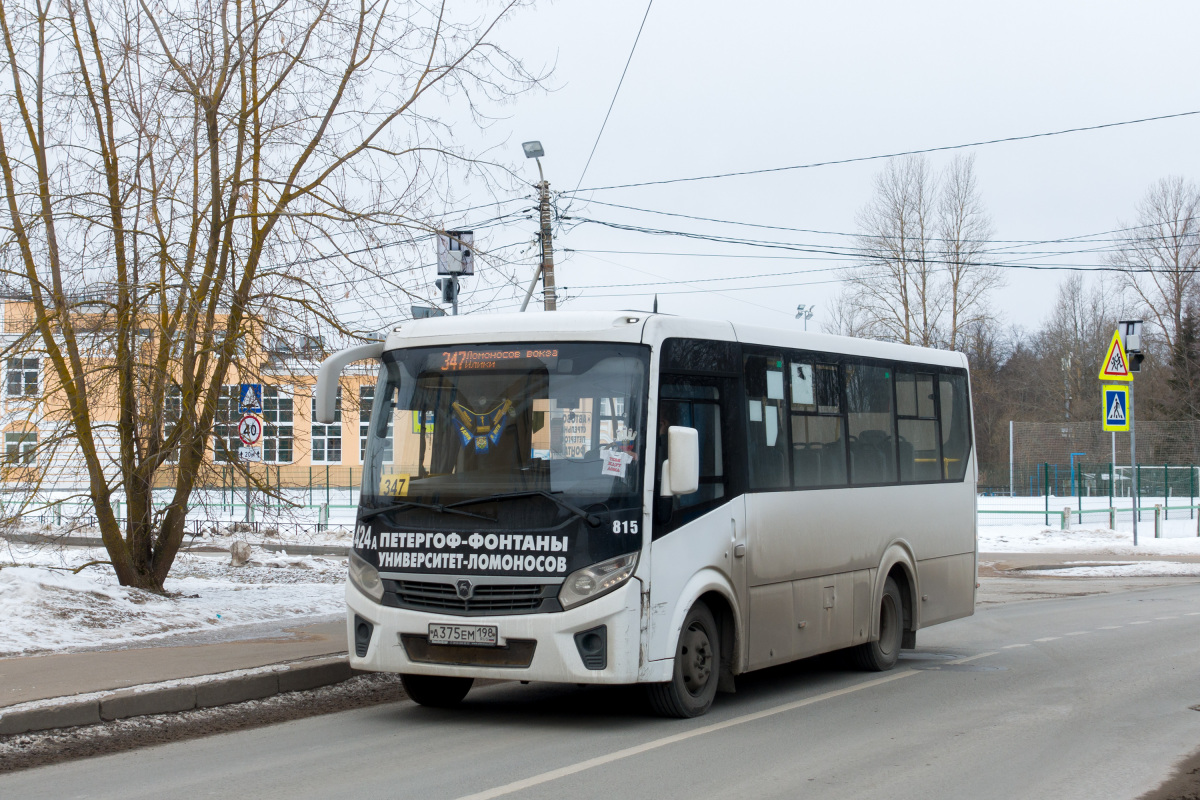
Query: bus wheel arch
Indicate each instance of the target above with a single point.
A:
(899, 565)
(722, 611)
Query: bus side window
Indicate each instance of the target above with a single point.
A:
(871, 424)
(767, 430)
(956, 425)
(818, 441)
(920, 447)
(692, 406)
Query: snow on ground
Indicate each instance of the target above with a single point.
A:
(1137, 569)
(1178, 540)
(46, 608)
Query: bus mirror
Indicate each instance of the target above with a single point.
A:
(681, 471)
(330, 374)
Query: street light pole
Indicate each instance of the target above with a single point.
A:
(546, 267)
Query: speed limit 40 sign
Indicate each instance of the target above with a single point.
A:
(250, 429)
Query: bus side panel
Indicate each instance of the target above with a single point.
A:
(947, 588)
(703, 543)
(793, 535)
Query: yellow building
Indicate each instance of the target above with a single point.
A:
(295, 452)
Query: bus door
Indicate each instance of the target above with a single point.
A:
(707, 528)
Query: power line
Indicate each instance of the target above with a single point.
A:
(859, 159)
(613, 102)
(1080, 239)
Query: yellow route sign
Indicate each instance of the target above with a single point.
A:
(1115, 366)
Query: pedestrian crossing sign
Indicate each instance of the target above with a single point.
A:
(250, 398)
(1116, 408)
(1115, 366)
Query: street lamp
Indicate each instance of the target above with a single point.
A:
(805, 312)
(545, 269)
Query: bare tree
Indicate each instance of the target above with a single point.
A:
(892, 289)
(1161, 255)
(1073, 342)
(921, 277)
(183, 177)
(964, 229)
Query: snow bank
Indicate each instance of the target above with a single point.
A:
(45, 608)
(1038, 538)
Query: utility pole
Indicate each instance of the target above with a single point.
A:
(545, 269)
(551, 300)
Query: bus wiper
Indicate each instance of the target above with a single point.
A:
(438, 507)
(591, 519)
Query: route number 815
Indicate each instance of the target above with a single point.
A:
(625, 526)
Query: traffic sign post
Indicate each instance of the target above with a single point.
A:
(1117, 410)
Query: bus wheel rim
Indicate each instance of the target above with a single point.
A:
(696, 659)
(887, 625)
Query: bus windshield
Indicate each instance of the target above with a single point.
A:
(460, 424)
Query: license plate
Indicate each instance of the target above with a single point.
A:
(477, 635)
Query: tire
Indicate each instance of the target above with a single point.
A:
(436, 691)
(882, 654)
(694, 679)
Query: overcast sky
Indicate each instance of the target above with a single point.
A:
(717, 87)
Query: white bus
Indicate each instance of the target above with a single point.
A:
(624, 497)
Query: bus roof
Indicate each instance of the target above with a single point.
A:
(642, 326)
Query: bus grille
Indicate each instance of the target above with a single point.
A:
(495, 598)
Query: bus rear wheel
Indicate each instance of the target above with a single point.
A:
(693, 683)
(436, 691)
(882, 654)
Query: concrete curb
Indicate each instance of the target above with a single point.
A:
(66, 712)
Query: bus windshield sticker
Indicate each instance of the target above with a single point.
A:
(615, 462)
(756, 411)
(774, 385)
(482, 430)
(394, 485)
(772, 428)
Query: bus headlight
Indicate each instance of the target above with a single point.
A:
(365, 577)
(598, 579)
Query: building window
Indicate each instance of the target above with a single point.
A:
(20, 448)
(23, 377)
(327, 439)
(172, 412)
(225, 433)
(366, 398)
(277, 426)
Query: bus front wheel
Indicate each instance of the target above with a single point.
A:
(882, 654)
(436, 691)
(693, 683)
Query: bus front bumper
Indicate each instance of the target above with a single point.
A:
(399, 641)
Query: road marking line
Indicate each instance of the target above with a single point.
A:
(1011, 646)
(1078, 633)
(1193, 614)
(1109, 627)
(599, 761)
(1047, 639)
(971, 658)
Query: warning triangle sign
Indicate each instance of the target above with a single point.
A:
(1116, 363)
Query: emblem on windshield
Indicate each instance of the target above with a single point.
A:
(464, 589)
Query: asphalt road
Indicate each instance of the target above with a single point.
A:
(1071, 697)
